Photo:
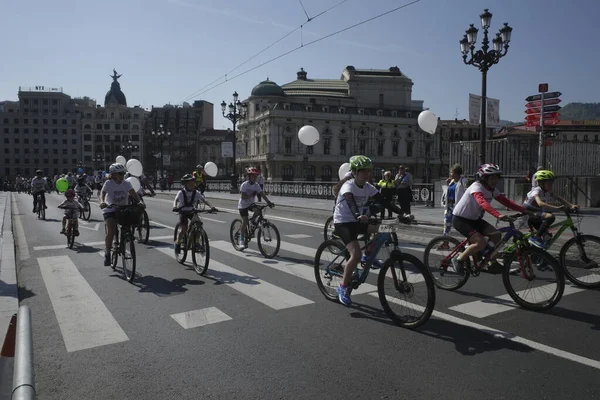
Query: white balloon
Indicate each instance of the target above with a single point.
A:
(134, 167)
(344, 169)
(308, 135)
(211, 169)
(428, 121)
(135, 182)
(121, 160)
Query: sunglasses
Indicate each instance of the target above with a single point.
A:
(121, 173)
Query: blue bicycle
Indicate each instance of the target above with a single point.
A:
(402, 274)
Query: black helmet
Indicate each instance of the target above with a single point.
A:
(187, 178)
(39, 171)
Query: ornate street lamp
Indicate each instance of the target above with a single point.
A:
(483, 59)
(161, 134)
(98, 160)
(129, 148)
(236, 112)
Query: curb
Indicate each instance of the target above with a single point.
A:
(9, 299)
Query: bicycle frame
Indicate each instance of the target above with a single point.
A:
(380, 239)
(563, 226)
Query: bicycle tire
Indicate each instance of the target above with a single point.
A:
(562, 259)
(426, 260)
(427, 278)
(200, 269)
(70, 237)
(115, 250)
(550, 262)
(333, 246)
(232, 235)
(328, 231)
(259, 239)
(87, 211)
(181, 257)
(143, 230)
(128, 241)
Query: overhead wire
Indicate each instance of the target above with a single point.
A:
(302, 45)
(308, 19)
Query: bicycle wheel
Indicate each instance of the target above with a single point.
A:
(143, 230)
(328, 231)
(87, 211)
(128, 256)
(407, 276)
(182, 255)
(329, 264)
(551, 277)
(70, 236)
(440, 266)
(234, 234)
(115, 250)
(200, 250)
(582, 267)
(268, 236)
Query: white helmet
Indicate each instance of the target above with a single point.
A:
(116, 168)
(489, 169)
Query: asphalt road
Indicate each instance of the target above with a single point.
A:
(265, 331)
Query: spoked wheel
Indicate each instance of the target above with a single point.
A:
(549, 280)
(440, 266)
(86, 213)
(128, 257)
(234, 234)
(329, 228)
(143, 230)
(200, 251)
(70, 236)
(268, 240)
(405, 283)
(580, 260)
(182, 255)
(330, 260)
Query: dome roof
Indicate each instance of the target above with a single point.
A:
(268, 88)
(115, 95)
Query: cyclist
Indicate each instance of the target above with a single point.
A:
(82, 189)
(350, 216)
(200, 178)
(468, 213)
(72, 208)
(39, 186)
(537, 200)
(116, 191)
(185, 202)
(248, 191)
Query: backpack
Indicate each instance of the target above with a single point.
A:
(185, 199)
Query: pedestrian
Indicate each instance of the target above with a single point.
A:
(261, 183)
(456, 188)
(387, 187)
(404, 183)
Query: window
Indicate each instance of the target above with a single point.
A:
(73, 121)
(36, 160)
(16, 130)
(409, 149)
(326, 173)
(6, 130)
(310, 149)
(342, 147)
(595, 138)
(35, 131)
(54, 101)
(6, 140)
(98, 126)
(395, 149)
(73, 141)
(106, 126)
(16, 120)
(288, 172)
(26, 141)
(585, 138)
(36, 141)
(87, 147)
(135, 138)
(6, 120)
(54, 122)
(64, 131)
(54, 131)
(362, 146)
(380, 100)
(125, 126)
(35, 121)
(45, 122)
(288, 145)
(65, 151)
(65, 161)
(87, 138)
(311, 171)
(64, 141)
(16, 140)
(380, 148)
(45, 141)
(25, 130)
(54, 141)
(46, 161)
(136, 116)
(64, 121)
(117, 126)
(54, 151)
(326, 146)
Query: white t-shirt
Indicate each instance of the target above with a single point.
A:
(117, 194)
(467, 207)
(537, 191)
(179, 199)
(251, 189)
(38, 184)
(71, 208)
(342, 212)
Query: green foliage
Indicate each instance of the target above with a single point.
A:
(580, 111)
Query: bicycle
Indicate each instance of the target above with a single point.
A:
(195, 239)
(524, 254)
(41, 206)
(70, 228)
(581, 262)
(329, 231)
(408, 266)
(124, 243)
(86, 212)
(143, 229)
(266, 231)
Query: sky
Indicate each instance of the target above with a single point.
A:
(167, 50)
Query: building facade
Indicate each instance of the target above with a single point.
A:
(40, 131)
(209, 147)
(368, 112)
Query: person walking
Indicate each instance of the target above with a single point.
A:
(387, 188)
(457, 185)
(403, 182)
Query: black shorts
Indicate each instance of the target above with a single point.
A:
(108, 215)
(184, 217)
(244, 212)
(467, 227)
(349, 231)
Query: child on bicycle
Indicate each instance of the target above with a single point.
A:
(185, 202)
(350, 216)
(468, 213)
(82, 189)
(72, 208)
(537, 200)
(248, 191)
(39, 185)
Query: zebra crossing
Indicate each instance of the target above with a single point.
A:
(86, 322)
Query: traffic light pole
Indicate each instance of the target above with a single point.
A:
(541, 144)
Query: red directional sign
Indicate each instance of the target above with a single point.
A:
(543, 87)
(547, 96)
(538, 110)
(546, 122)
(547, 102)
(536, 117)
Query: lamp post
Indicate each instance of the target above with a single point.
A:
(160, 134)
(81, 165)
(129, 148)
(236, 112)
(483, 59)
(98, 160)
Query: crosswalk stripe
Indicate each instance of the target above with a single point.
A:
(90, 244)
(85, 321)
(202, 317)
(253, 287)
(499, 304)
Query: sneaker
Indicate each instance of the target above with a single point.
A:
(76, 232)
(177, 248)
(537, 242)
(343, 296)
(459, 265)
(242, 242)
(107, 259)
(376, 264)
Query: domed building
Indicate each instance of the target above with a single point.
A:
(115, 96)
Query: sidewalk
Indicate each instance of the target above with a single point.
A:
(9, 301)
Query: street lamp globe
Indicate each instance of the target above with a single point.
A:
(472, 34)
(497, 41)
(223, 107)
(506, 32)
(235, 97)
(486, 19)
(464, 45)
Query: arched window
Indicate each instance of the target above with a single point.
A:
(310, 173)
(288, 173)
(326, 173)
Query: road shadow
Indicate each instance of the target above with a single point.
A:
(83, 249)
(586, 318)
(160, 286)
(53, 220)
(25, 293)
(220, 278)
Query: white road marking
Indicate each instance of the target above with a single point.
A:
(253, 287)
(298, 236)
(95, 228)
(496, 305)
(22, 246)
(498, 334)
(202, 317)
(90, 244)
(84, 320)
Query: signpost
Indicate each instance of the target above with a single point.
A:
(542, 109)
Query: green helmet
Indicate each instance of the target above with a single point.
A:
(360, 162)
(544, 175)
